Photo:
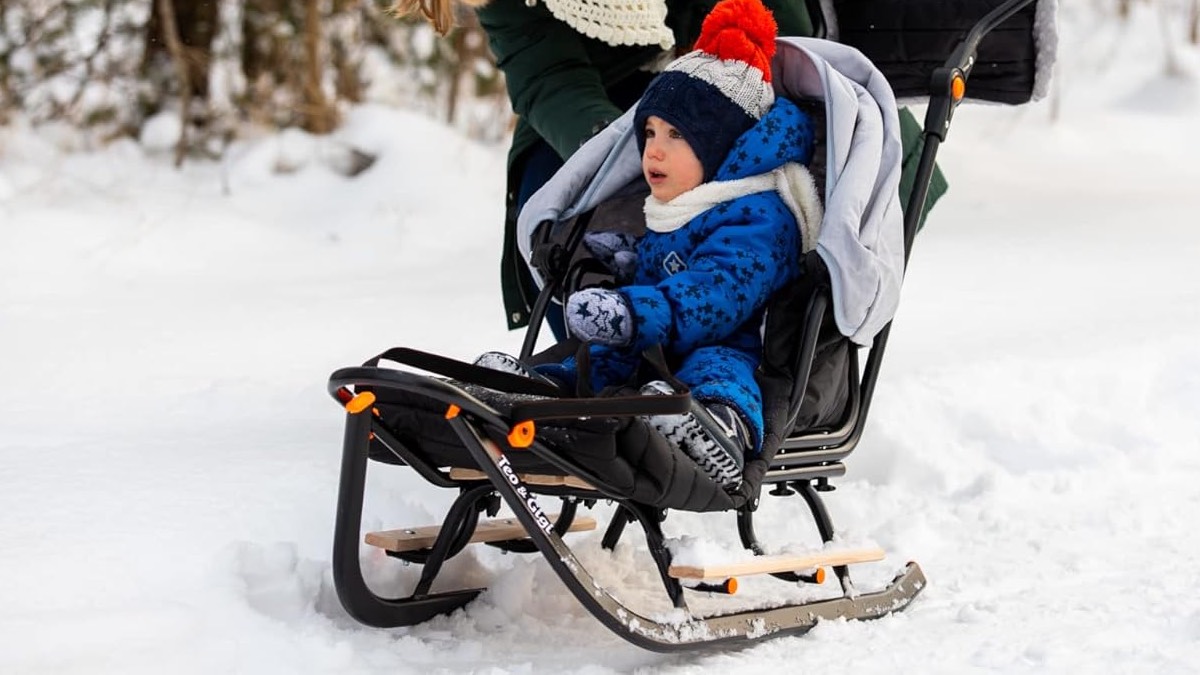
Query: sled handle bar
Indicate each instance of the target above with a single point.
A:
(947, 86)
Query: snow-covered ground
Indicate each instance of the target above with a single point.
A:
(169, 457)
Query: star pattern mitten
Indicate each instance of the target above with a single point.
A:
(600, 315)
(617, 251)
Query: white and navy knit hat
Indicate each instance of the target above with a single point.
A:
(715, 93)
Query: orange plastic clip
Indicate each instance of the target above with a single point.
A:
(521, 435)
(452, 411)
(360, 402)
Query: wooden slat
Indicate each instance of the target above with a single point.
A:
(499, 529)
(577, 482)
(767, 564)
(538, 479)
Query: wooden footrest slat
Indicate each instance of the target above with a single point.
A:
(499, 529)
(459, 473)
(768, 564)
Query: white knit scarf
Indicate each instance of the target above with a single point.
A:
(616, 22)
(792, 181)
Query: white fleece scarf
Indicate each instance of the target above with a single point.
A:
(792, 181)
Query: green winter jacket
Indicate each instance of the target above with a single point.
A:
(565, 86)
(560, 82)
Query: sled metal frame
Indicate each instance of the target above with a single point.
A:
(469, 422)
(804, 464)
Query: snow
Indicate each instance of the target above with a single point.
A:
(169, 457)
(161, 132)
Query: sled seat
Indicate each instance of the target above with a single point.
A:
(498, 529)
(773, 564)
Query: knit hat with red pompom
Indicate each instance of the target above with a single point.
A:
(717, 92)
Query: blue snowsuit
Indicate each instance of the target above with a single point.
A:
(700, 290)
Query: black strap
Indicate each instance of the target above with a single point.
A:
(552, 407)
(466, 372)
(583, 371)
(605, 406)
(589, 405)
(657, 358)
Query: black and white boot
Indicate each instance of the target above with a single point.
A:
(507, 363)
(716, 441)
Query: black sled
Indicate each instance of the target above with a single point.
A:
(493, 437)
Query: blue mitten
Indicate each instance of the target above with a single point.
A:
(601, 316)
(616, 251)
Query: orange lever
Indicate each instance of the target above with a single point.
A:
(360, 402)
(958, 87)
(521, 435)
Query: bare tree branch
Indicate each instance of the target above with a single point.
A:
(90, 60)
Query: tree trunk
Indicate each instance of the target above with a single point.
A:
(346, 46)
(1194, 34)
(469, 45)
(196, 25)
(262, 51)
(1173, 66)
(7, 100)
(168, 28)
(462, 62)
(319, 114)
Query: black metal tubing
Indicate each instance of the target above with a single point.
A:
(824, 524)
(696, 633)
(829, 470)
(937, 121)
(457, 521)
(360, 601)
(448, 393)
(693, 633)
(416, 461)
(825, 446)
(616, 527)
(745, 522)
(368, 608)
(536, 317)
(553, 264)
(803, 359)
(565, 517)
(651, 522)
(455, 533)
(745, 525)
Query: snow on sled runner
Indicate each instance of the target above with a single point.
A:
(498, 437)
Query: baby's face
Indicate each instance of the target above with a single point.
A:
(668, 163)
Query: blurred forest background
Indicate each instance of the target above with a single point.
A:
(224, 68)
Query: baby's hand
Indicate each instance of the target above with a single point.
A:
(616, 251)
(601, 316)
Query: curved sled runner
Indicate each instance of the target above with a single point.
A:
(496, 437)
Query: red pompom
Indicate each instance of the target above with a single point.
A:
(743, 30)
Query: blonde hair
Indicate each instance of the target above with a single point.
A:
(439, 13)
